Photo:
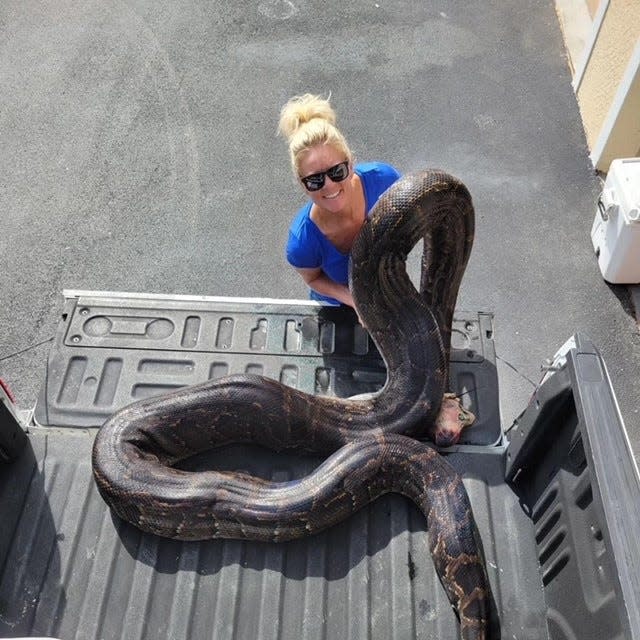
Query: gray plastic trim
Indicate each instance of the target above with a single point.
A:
(615, 473)
(113, 348)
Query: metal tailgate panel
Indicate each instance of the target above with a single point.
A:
(111, 349)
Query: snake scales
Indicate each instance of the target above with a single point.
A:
(369, 443)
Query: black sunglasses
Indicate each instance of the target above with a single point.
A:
(337, 173)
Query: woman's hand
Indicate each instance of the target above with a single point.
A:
(317, 280)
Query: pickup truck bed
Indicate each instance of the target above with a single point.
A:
(553, 499)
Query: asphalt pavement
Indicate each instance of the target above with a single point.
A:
(139, 153)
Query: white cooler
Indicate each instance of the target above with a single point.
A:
(616, 229)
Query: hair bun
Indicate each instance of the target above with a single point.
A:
(302, 109)
(309, 121)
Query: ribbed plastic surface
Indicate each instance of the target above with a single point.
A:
(72, 570)
(69, 569)
(112, 349)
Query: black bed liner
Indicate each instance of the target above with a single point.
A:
(558, 558)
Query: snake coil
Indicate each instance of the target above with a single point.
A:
(370, 444)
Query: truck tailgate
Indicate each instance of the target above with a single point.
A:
(72, 570)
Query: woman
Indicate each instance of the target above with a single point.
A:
(341, 195)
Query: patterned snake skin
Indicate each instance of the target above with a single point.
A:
(370, 444)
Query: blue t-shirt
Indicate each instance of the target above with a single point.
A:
(308, 248)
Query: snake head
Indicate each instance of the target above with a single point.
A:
(451, 420)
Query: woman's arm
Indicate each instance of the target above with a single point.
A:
(322, 284)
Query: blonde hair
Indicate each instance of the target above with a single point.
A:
(307, 121)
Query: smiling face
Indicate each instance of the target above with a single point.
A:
(333, 196)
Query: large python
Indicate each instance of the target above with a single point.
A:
(371, 444)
